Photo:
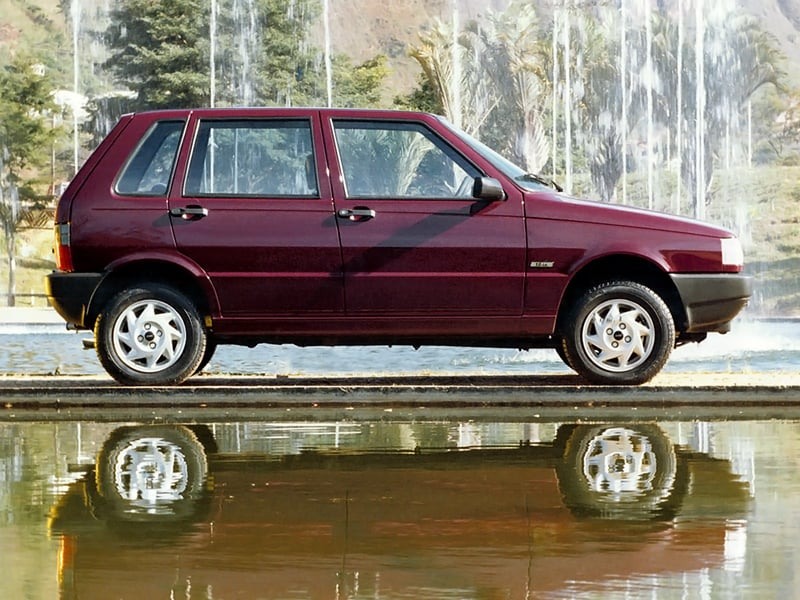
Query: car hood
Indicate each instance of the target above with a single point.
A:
(552, 206)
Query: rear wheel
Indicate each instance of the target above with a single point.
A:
(150, 335)
(619, 332)
(211, 348)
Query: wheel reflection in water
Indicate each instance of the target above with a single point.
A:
(620, 461)
(621, 472)
(151, 471)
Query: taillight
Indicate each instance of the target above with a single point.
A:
(63, 250)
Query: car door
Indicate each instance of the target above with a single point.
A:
(415, 242)
(256, 214)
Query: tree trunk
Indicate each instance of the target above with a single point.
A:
(11, 242)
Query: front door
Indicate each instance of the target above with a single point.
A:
(256, 214)
(415, 242)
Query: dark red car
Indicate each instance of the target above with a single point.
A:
(187, 229)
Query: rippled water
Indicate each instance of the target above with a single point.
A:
(400, 509)
(753, 346)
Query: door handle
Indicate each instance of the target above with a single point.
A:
(189, 213)
(359, 213)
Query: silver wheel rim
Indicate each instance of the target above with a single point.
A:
(149, 336)
(618, 335)
(151, 471)
(620, 461)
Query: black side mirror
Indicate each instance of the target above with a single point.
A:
(488, 188)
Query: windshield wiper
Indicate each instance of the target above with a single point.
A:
(539, 179)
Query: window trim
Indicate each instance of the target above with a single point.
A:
(404, 125)
(142, 141)
(260, 120)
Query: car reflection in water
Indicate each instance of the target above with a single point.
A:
(164, 513)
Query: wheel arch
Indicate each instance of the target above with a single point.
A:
(196, 288)
(623, 267)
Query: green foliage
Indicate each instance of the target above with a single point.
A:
(423, 97)
(25, 137)
(160, 49)
(163, 51)
(25, 131)
(360, 86)
(288, 73)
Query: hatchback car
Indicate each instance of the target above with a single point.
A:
(187, 229)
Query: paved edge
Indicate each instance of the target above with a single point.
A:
(433, 392)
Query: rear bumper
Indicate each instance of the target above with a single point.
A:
(70, 293)
(712, 301)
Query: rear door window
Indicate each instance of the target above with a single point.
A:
(149, 169)
(250, 157)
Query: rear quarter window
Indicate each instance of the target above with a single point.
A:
(149, 169)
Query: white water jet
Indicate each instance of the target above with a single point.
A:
(679, 127)
(75, 15)
(327, 52)
(623, 80)
(212, 34)
(650, 124)
(567, 103)
(245, 23)
(555, 94)
(457, 71)
(700, 108)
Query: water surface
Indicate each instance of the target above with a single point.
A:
(400, 509)
(752, 346)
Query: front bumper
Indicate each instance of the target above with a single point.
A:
(711, 301)
(70, 294)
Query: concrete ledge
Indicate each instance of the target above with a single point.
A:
(668, 390)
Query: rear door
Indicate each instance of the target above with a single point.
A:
(255, 212)
(414, 241)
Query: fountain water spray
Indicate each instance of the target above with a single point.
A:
(326, 18)
(75, 15)
(212, 35)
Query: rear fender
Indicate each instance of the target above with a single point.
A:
(172, 269)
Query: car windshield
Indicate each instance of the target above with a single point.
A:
(528, 181)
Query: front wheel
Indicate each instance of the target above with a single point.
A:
(150, 335)
(619, 332)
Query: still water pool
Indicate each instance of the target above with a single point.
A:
(400, 508)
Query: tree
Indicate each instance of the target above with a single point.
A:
(498, 90)
(359, 86)
(739, 59)
(513, 50)
(161, 50)
(423, 97)
(289, 72)
(25, 140)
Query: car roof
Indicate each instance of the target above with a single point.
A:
(257, 111)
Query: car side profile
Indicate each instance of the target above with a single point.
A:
(188, 229)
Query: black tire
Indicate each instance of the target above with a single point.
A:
(211, 348)
(166, 344)
(559, 348)
(625, 472)
(614, 355)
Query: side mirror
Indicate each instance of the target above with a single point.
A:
(488, 188)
